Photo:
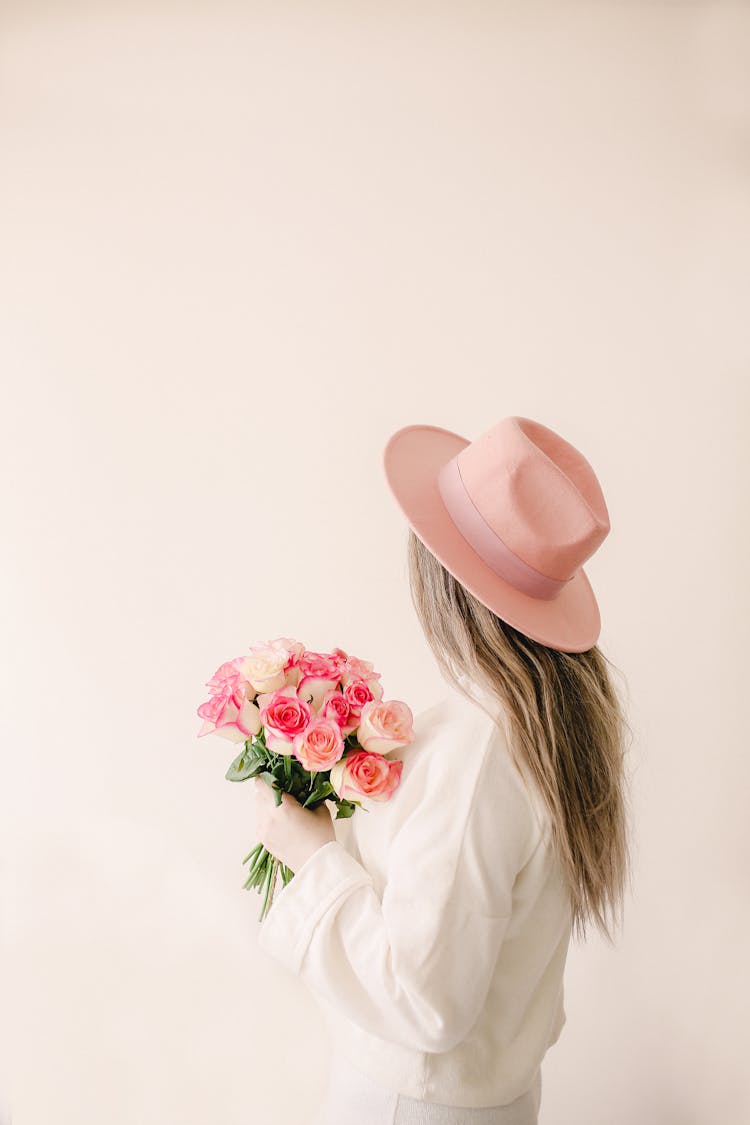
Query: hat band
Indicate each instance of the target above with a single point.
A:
(487, 543)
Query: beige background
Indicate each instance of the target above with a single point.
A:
(240, 246)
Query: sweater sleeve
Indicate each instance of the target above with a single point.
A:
(414, 967)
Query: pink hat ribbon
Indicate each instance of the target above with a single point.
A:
(487, 543)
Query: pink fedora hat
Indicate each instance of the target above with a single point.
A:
(513, 515)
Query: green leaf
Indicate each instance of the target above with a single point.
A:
(279, 773)
(321, 791)
(245, 765)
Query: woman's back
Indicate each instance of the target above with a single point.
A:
(477, 923)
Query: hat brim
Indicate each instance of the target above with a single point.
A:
(412, 459)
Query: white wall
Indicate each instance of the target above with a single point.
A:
(241, 245)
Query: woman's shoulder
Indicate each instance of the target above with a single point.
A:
(459, 796)
(448, 734)
(460, 744)
(458, 748)
(455, 730)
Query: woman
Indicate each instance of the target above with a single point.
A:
(435, 928)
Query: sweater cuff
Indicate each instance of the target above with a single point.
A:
(326, 876)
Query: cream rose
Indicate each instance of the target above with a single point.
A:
(265, 666)
(385, 726)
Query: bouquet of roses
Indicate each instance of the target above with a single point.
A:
(312, 724)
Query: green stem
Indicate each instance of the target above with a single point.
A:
(254, 852)
(257, 866)
(275, 866)
(270, 872)
(259, 860)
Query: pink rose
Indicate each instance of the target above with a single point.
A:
(288, 644)
(385, 726)
(320, 745)
(361, 774)
(356, 669)
(284, 715)
(230, 674)
(319, 672)
(358, 692)
(335, 706)
(294, 649)
(230, 714)
(323, 665)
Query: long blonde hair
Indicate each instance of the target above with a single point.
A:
(565, 721)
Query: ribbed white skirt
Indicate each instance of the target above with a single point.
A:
(353, 1096)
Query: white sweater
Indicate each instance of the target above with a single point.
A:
(434, 929)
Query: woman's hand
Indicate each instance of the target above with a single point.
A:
(289, 831)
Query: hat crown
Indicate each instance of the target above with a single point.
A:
(537, 493)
